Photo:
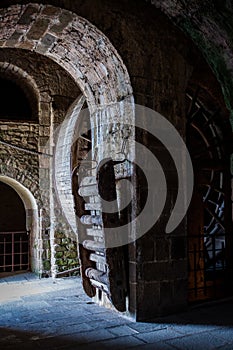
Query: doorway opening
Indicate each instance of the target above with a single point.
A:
(14, 237)
(209, 219)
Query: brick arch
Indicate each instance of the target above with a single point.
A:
(74, 43)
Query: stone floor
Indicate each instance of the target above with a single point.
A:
(55, 314)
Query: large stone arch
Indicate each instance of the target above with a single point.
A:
(90, 59)
(79, 48)
(74, 43)
(205, 23)
(32, 219)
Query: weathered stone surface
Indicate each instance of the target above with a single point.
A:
(160, 61)
(27, 15)
(38, 29)
(64, 19)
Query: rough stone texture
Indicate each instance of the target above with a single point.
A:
(103, 79)
(18, 164)
(42, 84)
(66, 252)
(208, 23)
(69, 47)
(160, 61)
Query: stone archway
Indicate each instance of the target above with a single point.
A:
(32, 220)
(89, 58)
(78, 47)
(26, 83)
(205, 24)
(74, 43)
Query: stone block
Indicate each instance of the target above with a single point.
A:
(46, 265)
(60, 262)
(122, 330)
(43, 141)
(27, 45)
(59, 248)
(122, 342)
(145, 248)
(14, 38)
(38, 29)
(160, 335)
(26, 17)
(72, 262)
(47, 41)
(65, 18)
(159, 271)
(59, 235)
(69, 254)
(65, 241)
(148, 297)
(51, 11)
(58, 255)
(72, 247)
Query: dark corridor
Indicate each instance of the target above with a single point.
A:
(14, 239)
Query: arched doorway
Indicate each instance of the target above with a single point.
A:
(14, 237)
(209, 140)
(19, 228)
(104, 83)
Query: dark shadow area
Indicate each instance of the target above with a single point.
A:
(216, 319)
(14, 103)
(13, 216)
(213, 313)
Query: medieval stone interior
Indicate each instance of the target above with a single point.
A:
(78, 81)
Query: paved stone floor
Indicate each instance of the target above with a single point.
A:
(55, 314)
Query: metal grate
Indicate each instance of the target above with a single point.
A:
(14, 251)
(209, 217)
(207, 267)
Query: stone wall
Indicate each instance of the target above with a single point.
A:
(160, 60)
(23, 166)
(26, 168)
(66, 252)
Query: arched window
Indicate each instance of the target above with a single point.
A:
(15, 105)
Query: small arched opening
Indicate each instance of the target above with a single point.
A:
(19, 88)
(18, 110)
